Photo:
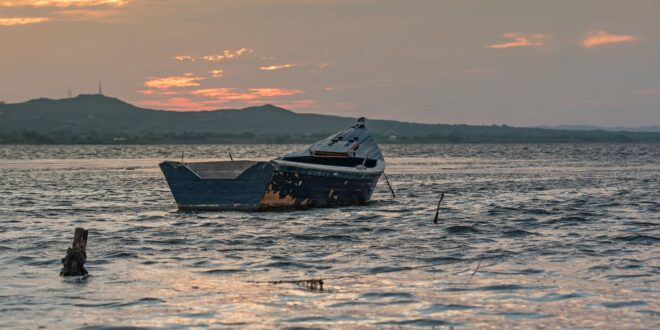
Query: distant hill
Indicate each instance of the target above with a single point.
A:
(100, 119)
(612, 129)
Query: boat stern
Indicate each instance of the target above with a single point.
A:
(226, 185)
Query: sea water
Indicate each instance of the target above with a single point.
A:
(528, 235)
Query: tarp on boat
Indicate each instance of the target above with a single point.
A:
(355, 141)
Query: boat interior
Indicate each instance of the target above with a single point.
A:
(221, 169)
(333, 161)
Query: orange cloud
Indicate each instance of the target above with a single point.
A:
(71, 10)
(189, 104)
(87, 14)
(10, 21)
(520, 40)
(251, 94)
(224, 94)
(175, 81)
(601, 38)
(216, 73)
(276, 67)
(62, 3)
(215, 98)
(184, 58)
(158, 92)
(274, 92)
(227, 55)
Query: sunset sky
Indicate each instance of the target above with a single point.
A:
(478, 62)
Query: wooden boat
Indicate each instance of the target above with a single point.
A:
(342, 169)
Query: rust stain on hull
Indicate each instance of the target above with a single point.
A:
(273, 198)
(296, 190)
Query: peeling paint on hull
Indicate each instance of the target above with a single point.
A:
(294, 188)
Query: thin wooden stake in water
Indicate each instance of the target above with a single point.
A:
(388, 184)
(437, 211)
(231, 157)
(183, 153)
(475, 271)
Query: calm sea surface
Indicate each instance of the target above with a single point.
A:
(529, 236)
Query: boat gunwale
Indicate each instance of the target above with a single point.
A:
(378, 169)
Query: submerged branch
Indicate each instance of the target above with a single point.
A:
(317, 284)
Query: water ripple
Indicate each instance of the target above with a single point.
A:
(529, 236)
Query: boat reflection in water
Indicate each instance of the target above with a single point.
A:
(342, 169)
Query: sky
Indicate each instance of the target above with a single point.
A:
(521, 63)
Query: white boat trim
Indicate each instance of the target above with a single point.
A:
(379, 168)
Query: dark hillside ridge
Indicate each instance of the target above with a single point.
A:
(101, 119)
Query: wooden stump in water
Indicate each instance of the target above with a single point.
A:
(73, 263)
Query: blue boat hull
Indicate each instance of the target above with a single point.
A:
(192, 192)
(263, 186)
